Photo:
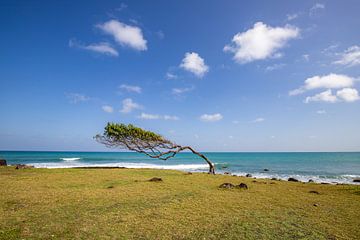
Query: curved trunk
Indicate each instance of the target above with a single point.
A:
(211, 165)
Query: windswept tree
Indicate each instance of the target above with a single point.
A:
(142, 141)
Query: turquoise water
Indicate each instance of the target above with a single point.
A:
(321, 167)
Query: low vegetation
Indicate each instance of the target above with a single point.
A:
(124, 204)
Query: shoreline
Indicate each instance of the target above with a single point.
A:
(274, 177)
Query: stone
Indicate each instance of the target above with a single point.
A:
(155, 179)
(315, 205)
(242, 186)
(266, 170)
(3, 162)
(293, 180)
(227, 185)
(23, 166)
(226, 173)
(356, 180)
(313, 191)
(275, 179)
(248, 175)
(311, 181)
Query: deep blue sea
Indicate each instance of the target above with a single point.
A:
(328, 167)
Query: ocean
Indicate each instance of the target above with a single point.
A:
(329, 167)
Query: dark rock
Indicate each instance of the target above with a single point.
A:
(248, 175)
(227, 185)
(315, 205)
(3, 162)
(226, 173)
(266, 170)
(325, 183)
(155, 179)
(242, 186)
(313, 191)
(23, 166)
(311, 181)
(275, 179)
(356, 180)
(293, 180)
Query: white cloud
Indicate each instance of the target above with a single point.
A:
(350, 57)
(211, 117)
(193, 63)
(180, 91)
(131, 88)
(169, 117)
(147, 116)
(290, 17)
(321, 112)
(129, 105)
(258, 120)
(107, 108)
(325, 96)
(103, 48)
(348, 94)
(344, 95)
(315, 8)
(275, 67)
(171, 76)
(327, 81)
(77, 97)
(306, 57)
(124, 34)
(260, 42)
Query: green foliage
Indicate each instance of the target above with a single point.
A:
(123, 131)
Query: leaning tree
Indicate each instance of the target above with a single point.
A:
(142, 141)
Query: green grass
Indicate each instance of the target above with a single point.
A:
(122, 204)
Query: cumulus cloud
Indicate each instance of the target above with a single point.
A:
(131, 88)
(195, 64)
(344, 95)
(325, 96)
(211, 117)
(107, 108)
(128, 105)
(147, 116)
(77, 97)
(260, 42)
(327, 81)
(348, 94)
(258, 120)
(350, 57)
(124, 34)
(103, 47)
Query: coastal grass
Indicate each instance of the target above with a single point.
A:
(123, 204)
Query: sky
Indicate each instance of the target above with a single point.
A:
(216, 75)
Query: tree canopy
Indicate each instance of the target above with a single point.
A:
(139, 140)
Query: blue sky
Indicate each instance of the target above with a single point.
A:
(218, 75)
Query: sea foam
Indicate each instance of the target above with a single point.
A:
(70, 159)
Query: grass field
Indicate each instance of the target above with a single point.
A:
(122, 204)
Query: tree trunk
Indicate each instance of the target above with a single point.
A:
(211, 165)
